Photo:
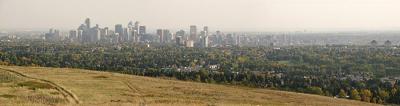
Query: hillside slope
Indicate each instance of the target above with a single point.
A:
(64, 86)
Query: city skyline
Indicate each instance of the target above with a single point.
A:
(240, 15)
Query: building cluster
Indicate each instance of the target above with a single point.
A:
(202, 38)
(85, 33)
(180, 38)
(53, 34)
(135, 33)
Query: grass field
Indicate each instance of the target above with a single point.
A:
(63, 86)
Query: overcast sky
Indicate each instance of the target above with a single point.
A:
(228, 15)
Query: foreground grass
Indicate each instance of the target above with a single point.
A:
(105, 88)
(19, 90)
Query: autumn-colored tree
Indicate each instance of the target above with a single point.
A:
(355, 95)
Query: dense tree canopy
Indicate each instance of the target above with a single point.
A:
(363, 73)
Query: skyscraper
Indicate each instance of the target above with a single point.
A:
(130, 24)
(137, 26)
(178, 40)
(205, 40)
(237, 40)
(80, 34)
(135, 32)
(193, 32)
(73, 35)
(167, 36)
(205, 28)
(87, 22)
(95, 35)
(142, 30)
(119, 30)
(127, 34)
(104, 33)
(161, 35)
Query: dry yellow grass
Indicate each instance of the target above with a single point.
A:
(105, 88)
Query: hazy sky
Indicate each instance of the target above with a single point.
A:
(227, 15)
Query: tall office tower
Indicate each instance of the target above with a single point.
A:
(73, 35)
(137, 26)
(127, 35)
(119, 30)
(142, 30)
(193, 32)
(51, 30)
(134, 36)
(182, 34)
(205, 40)
(136, 32)
(178, 40)
(87, 22)
(219, 38)
(167, 36)
(161, 35)
(205, 29)
(116, 38)
(57, 34)
(80, 33)
(130, 25)
(104, 33)
(96, 35)
(229, 39)
(237, 40)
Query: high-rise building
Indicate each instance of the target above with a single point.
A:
(205, 28)
(80, 34)
(87, 22)
(193, 32)
(73, 35)
(53, 35)
(205, 40)
(161, 35)
(127, 34)
(237, 40)
(135, 36)
(135, 32)
(182, 34)
(178, 40)
(167, 36)
(104, 33)
(137, 26)
(95, 35)
(57, 34)
(142, 30)
(130, 25)
(119, 30)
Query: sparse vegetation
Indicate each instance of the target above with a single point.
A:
(7, 96)
(45, 99)
(100, 77)
(6, 77)
(35, 85)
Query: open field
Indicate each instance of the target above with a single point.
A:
(64, 86)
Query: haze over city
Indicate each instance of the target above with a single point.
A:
(227, 15)
(199, 52)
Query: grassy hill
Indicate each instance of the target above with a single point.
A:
(64, 86)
